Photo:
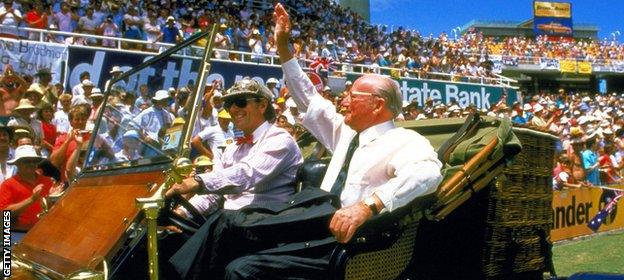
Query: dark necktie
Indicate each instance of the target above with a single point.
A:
(342, 175)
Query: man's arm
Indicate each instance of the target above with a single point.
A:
(321, 119)
(196, 142)
(19, 207)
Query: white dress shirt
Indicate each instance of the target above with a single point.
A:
(263, 171)
(396, 164)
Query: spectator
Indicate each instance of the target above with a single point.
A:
(78, 89)
(170, 33)
(6, 153)
(45, 115)
(22, 192)
(119, 85)
(49, 91)
(134, 27)
(67, 143)
(590, 160)
(64, 19)
(22, 117)
(257, 47)
(36, 18)
(12, 88)
(211, 141)
(61, 119)
(12, 18)
(110, 29)
(155, 119)
(89, 24)
(152, 32)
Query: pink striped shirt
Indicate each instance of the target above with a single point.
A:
(263, 171)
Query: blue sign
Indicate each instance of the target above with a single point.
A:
(175, 71)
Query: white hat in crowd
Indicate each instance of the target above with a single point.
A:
(24, 152)
(116, 69)
(96, 92)
(161, 95)
(272, 81)
(87, 83)
(538, 108)
(583, 120)
(527, 107)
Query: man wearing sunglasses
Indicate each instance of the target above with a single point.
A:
(262, 165)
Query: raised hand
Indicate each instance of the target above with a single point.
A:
(282, 24)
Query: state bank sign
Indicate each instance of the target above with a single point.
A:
(483, 96)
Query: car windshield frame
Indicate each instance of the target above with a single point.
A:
(173, 138)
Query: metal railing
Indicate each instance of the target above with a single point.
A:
(341, 68)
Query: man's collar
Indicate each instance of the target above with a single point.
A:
(375, 131)
(260, 130)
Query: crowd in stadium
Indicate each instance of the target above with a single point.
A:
(55, 120)
(247, 28)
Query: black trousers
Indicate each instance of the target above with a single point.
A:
(285, 240)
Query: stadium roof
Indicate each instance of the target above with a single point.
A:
(520, 24)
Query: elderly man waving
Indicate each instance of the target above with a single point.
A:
(375, 167)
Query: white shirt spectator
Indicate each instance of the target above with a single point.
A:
(61, 121)
(11, 20)
(215, 138)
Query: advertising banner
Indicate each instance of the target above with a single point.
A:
(567, 66)
(175, 71)
(552, 9)
(585, 67)
(27, 57)
(549, 63)
(552, 18)
(617, 66)
(573, 209)
(483, 96)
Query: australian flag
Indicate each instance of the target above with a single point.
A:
(595, 223)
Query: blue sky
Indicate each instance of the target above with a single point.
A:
(435, 16)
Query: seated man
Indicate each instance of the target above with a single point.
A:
(375, 167)
(261, 167)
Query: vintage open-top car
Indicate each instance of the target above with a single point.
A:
(105, 224)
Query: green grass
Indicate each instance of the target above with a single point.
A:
(603, 253)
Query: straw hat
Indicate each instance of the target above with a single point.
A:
(24, 152)
(202, 161)
(25, 104)
(35, 88)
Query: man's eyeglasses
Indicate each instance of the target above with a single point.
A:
(362, 93)
(239, 102)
